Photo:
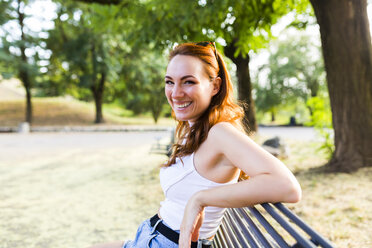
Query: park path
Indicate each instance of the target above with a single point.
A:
(75, 189)
(292, 133)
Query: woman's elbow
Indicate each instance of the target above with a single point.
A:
(294, 193)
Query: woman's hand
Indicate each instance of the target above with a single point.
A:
(192, 220)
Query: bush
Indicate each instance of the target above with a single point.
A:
(321, 120)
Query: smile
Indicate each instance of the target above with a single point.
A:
(180, 106)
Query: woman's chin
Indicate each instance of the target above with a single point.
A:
(181, 118)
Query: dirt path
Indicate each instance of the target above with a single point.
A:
(73, 190)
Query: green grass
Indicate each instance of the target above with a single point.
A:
(58, 111)
(299, 110)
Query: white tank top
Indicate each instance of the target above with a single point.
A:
(179, 182)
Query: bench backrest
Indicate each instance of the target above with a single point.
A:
(267, 227)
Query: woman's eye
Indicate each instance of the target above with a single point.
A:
(168, 82)
(189, 82)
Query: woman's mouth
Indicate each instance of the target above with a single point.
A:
(183, 105)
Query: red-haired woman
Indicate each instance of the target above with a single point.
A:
(201, 177)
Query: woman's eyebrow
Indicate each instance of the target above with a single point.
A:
(182, 78)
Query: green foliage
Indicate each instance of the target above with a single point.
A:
(14, 61)
(282, 114)
(4, 14)
(294, 71)
(144, 74)
(92, 40)
(84, 51)
(245, 23)
(322, 122)
(322, 116)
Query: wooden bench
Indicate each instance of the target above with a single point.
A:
(268, 225)
(163, 148)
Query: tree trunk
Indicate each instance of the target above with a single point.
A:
(347, 51)
(155, 115)
(272, 116)
(97, 91)
(244, 87)
(26, 84)
(24, 75)
(25, 78)
(156, 110)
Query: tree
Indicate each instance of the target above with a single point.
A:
(3, 54)
(143, 73)
(294, 72)
(87, 50)
(16, 60)
(347, 52)
(241, 26)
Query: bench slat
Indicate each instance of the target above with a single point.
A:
(244, 240)
(315, 236)
(244, 227)
(252, 225)
(218, 240)
(276, 236)
(229, 236)
(302, 241)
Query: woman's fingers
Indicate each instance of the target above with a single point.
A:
(192, 220)
(190, 230)
(195, 232)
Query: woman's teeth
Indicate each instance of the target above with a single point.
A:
(182, 105)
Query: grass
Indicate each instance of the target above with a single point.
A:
(337, 205)
(74, 195)
(68, 112)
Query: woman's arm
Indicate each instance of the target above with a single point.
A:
(270, 180)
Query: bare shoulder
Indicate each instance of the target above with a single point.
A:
(224, 130)
(223, 133)
(239, 149)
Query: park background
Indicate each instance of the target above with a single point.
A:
(99, 65)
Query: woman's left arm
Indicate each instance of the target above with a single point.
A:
(270, 180)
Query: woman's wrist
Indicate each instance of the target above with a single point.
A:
(199, 197)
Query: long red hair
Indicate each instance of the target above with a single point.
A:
(221, 109)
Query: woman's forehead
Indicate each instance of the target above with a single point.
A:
(182, 65)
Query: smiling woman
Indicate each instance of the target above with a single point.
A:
(200, 180)
(189, 88)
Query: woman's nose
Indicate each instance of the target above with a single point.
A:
(177, 91)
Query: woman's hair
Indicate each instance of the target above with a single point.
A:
(221, 109)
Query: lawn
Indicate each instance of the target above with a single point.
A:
(57, 111)
(338, 205)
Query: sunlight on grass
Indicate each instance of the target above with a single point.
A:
(58, 111)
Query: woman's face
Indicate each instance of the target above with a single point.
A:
(188, 88)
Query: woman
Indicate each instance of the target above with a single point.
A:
(200, 178)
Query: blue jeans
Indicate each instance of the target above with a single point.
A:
(148, 237)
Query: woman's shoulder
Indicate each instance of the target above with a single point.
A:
(224, 131)
(224, 128)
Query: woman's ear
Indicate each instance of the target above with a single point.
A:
(216, 85)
